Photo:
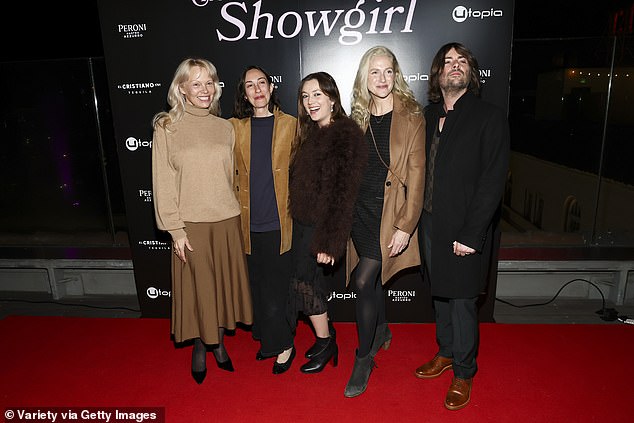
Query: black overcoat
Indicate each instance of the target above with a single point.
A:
(469, 176)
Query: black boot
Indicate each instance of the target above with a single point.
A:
(382, 338)
(319, 361)
(319, 345)
(360, 375)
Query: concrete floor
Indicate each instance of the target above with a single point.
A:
(507, 310)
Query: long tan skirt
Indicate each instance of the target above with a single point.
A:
(212, 289)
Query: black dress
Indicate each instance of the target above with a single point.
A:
(324, 181)
(366, 224)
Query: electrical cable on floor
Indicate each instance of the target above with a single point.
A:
(69, 304)
(625, 319)
(607, 314)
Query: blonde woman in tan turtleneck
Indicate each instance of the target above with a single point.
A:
(192, 174)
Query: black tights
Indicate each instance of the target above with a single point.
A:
(200, 351)
(370, 304)
(219, 350)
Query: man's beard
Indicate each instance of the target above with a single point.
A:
(450, 86)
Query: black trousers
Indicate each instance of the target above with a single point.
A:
(457, 330)
(269, 278)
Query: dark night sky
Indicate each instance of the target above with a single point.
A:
(52, 30)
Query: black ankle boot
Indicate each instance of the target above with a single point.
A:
(382, 338)
(320, 343)
(319, 361)
(360, 376)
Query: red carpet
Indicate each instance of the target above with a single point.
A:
(528, 373)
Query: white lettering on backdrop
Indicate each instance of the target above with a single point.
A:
(289, 24)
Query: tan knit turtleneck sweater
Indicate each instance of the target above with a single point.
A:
(192, 171)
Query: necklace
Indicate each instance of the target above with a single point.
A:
(379, 119)
(389, 169)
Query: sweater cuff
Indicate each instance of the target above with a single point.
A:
(178, 234)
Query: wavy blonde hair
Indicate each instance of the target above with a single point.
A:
(176, 99)
(361, 97)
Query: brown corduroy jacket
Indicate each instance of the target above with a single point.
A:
(284, 130)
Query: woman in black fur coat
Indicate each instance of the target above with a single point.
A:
(329, 158)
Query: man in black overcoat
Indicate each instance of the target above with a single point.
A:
(468, 147)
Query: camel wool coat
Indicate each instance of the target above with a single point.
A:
(401, 208)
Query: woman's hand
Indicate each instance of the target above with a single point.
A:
(323, 258)
(179, 248)
(399, 242)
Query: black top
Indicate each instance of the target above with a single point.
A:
(264, 214)
(366, 226)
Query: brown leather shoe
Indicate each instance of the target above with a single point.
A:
(434, 368)
(459, 394)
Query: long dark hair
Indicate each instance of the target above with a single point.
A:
(434, 93)
(241, 106)
(305, 125)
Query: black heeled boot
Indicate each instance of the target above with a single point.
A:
(319, 361)
(199, 365)
(360, 376)
(318, 346)
(382, 339)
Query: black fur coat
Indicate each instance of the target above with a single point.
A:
(325, 177)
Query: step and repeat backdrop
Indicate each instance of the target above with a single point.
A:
(145, 40)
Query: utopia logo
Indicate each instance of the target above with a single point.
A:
(416, 77)
(154, 293)
(401, 296)
(133, 144)
(461, 14)
(132, 30)
(334, 295)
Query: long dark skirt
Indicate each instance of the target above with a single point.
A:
(309, 286)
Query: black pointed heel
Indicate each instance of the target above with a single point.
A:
(199, 376)
(279, 368)
(199, 360)
(226, 365)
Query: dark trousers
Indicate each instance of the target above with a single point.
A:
(269, 278)
(457, 331)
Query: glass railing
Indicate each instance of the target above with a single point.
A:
(571, 180)
(60, 177)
